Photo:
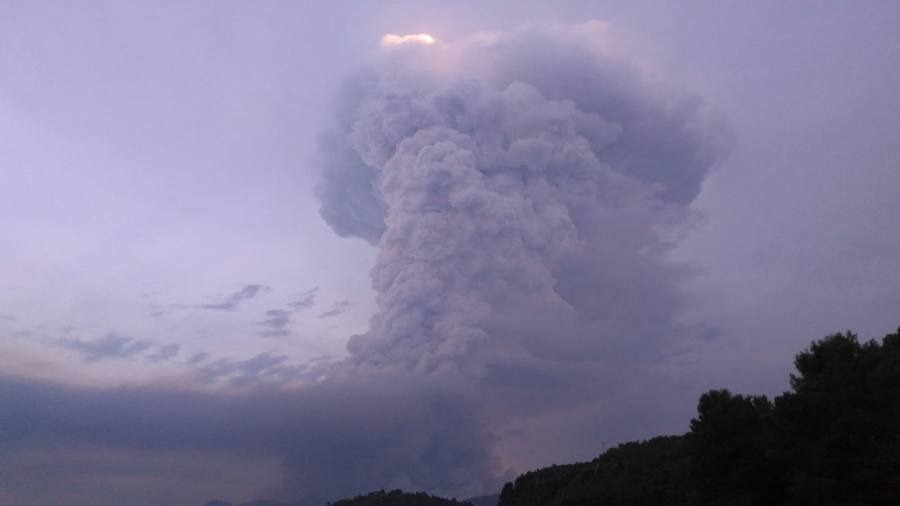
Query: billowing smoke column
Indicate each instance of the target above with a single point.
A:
(522, 190)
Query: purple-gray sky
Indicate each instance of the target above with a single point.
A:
(249, 251)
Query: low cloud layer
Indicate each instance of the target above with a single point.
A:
(110, 345)
(344, 435)
(231, 302)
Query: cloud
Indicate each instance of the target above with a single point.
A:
(304, 300)
(231, 302)
(263, 368)
(228, 303)
(164, 353)
(336, 309)
(198, 357)
(524, 191)
(241, 371)
(277, 321)
(156, 310)
(110, 345)
(116, 346)
(397, 40)
(523, 199)
(316, 430)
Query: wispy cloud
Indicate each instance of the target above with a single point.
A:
(304, 300)
(164, 353)
(336, 309)
(115, 346)
(198, 357)
(231, 302)
(262, 367)
(277, 321)
(111, 345)
(156, 310)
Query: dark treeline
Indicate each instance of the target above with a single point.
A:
(398, 498)
(379, 498)
(833, 439)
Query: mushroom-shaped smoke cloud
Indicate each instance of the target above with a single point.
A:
(522, 190)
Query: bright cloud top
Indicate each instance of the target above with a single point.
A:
(392, 39)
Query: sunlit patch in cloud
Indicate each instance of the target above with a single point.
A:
(392, 39)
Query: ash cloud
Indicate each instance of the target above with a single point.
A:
(523, 191)
(522, 198)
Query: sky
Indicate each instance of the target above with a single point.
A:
(256, 250)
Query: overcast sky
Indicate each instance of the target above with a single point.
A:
(177, 296)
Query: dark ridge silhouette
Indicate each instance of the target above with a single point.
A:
(398, 498)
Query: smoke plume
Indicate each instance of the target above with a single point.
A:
(523, 190)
